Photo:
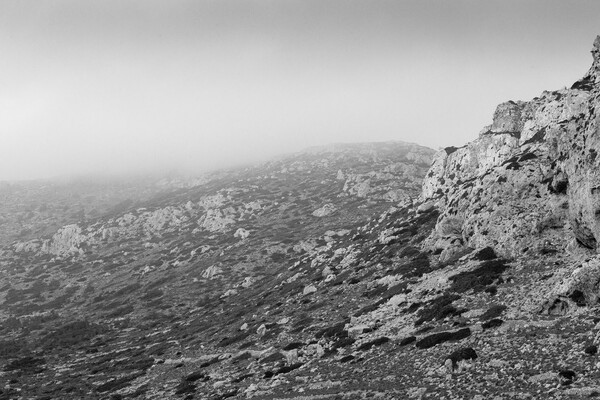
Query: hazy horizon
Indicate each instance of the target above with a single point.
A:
(133, 87)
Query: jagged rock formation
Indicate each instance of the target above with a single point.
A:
(529, 181)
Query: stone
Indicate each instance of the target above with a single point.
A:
(216, 220)
(326, 272)
(507, 118)
(261, 330)
(324, 211)
(356, 331)
(212, 272)
(241, 233)
(546, 376)
(248, 281)
(581, 287)
(309, 289)
(425, 207)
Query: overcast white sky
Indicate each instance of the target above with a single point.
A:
(129, 86)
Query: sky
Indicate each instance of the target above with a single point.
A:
(130, 86)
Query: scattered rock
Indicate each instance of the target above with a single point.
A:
(309, 289)
(212, 272)
(241, 233)
(373, 343)
(324, 211)
(546, 376)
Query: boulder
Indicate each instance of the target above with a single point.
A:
(324, 211)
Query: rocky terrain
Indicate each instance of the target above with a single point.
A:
(346, 272)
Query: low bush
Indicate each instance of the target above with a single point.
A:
(477, 280)
(465, 353)
(408, 340)
(72, 334)
(25, 364)
(492, 323)
(485, 254)
(494, 311)
(441, 337)
(438, 309)
(336, 330)
(293, 345)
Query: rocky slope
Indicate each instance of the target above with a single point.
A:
(198, 255)
(535, 167)
(347, 272)
(529, 183)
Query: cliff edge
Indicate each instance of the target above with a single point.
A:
(530, 182)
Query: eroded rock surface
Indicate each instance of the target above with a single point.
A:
(530, 179)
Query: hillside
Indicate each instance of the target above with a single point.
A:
(345, 272)
(166, 267)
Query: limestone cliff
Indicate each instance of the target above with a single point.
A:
(531, 181)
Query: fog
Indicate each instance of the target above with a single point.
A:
(150, 86)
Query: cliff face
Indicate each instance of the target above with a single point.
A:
(531, 180)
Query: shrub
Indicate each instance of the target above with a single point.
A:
(492, 323)
(336, 330)
(10, 348)
(493, 312)
(72, 334)
(487, 253)
(591, 350)
(293, 345)
(465, 353)
(194, 376)
(438, 309)
(408, 340)
(376, 342)
(479, 278)
(441, 337)
(417, 267)
(25, 364)
(343, 342)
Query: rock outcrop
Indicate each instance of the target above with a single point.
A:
(530, 181)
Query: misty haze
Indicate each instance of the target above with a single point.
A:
(120, 86)
(286, 199)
